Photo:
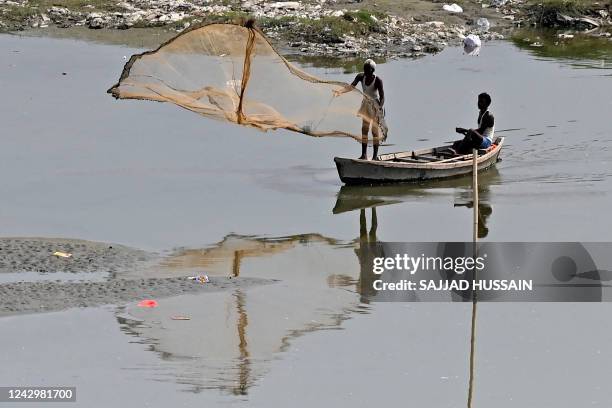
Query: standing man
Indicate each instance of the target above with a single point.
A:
(371, 115)
(481, 138)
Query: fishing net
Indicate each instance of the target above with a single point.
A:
(232, 73)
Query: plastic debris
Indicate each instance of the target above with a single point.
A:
(499, 3)
(200, 278)
(147, 303)
(180, 318)
(588, 21)
(453, 8)
(483, 24)
(61, 254)
(471, 45)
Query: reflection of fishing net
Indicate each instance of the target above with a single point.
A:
(232, 73)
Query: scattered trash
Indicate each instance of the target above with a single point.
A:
(498, 3)
(453, 8)
(61, 254)
(590, 22)
(180, 318)
(200, 278)
(471, 45)
(564, 36)
(147, 303)
(483, 24)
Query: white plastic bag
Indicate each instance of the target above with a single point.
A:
(453, 8)
(472, 44)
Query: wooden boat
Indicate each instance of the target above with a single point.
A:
(414, 166)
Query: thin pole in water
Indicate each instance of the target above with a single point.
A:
(475, 194)
(474, 300)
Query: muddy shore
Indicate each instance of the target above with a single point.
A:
(383, 29)
(41, 281)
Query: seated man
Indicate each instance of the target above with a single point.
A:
(482, 137)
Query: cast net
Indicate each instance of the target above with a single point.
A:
(232, 73)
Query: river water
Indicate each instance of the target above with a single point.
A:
(76, 163)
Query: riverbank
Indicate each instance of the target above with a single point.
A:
(387, 28)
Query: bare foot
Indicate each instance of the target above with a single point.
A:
(375, 158)
(362, 158)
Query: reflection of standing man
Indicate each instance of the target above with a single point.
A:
(370, 248)
(367, 251)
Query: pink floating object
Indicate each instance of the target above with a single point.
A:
(147, 303)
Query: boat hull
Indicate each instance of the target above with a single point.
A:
(356, 171)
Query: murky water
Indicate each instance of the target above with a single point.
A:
(76, 163)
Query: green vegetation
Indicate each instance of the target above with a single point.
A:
(16, 14)
(332, 29)
(581, 50)
(33, 7)
(364, 17)
(278, 22)
(328, 29)
(238, 17)
(227, 17)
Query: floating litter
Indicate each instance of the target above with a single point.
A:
(147, 303)
(472, 44)
(180, 318)
(200, 278)
(60, 254)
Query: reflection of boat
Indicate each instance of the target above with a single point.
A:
(233, 335)
(412, 166)
(356, 197)
(225, 257)
(359, 197)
